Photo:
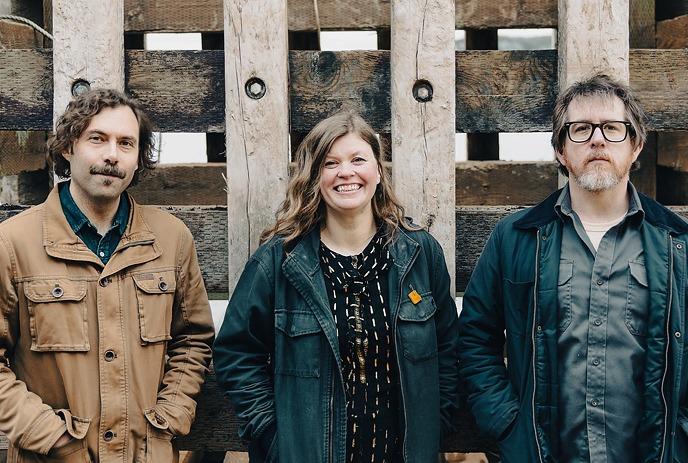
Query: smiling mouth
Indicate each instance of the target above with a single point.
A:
(347, 188)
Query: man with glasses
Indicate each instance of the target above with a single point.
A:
(589, 287)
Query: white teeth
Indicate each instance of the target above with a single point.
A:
(352, 187)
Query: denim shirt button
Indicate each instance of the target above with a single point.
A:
(677, 334)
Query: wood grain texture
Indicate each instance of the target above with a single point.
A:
(673, 150)
(88, 44)
(592, 37)
(491, 183)
(496, 91)
(642, 24)
(206, 15)
(423, 131)
(21, 151)
(673, 33)
(183, 184)
(18, 35)
(257, 128)
(183, 91)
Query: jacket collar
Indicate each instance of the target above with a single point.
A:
(655, 214)
(60, 241)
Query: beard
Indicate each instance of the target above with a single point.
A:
(598, 177)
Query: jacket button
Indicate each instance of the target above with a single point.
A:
(110, 355)
(57, 292)
(594, 403)
(539, 327)
(597, 322)
(677, 334)
(104, 282)
(108, 435)
(163, 286)
(596, 362)
(679, 246)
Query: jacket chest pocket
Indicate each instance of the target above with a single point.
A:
(298, 337)
(57, 315)
(417, 330)
(637, 299)
(155, 298)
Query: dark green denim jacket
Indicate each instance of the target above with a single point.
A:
(277, 353)
(514, 288)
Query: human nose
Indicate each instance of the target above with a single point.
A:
(597, 136)
(110, 152)
(345, 170)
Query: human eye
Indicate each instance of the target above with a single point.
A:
(330, 163)
(95, 138)
(127, 143)
(358, 160)
(580, 127)
(613, 127)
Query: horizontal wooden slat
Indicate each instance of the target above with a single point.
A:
(672, 148)
(183, 184)
(508, 91)
(673, 33)
(21, 151)
(492, 183)
(206, 15)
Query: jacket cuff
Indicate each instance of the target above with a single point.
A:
(500, 428)
(175, 419)
(43, 434)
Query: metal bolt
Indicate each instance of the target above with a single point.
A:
(255, 88)
(80, 86)
(422, 91)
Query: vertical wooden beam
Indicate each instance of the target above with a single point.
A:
(257, 118)
(593, 37)
(215, 148)
(88, 45)
(423, 114)
(482, 146)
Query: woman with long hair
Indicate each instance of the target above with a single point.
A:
(339, 342)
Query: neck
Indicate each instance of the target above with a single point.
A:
(599, 206)
(99, 213)
(348, 235)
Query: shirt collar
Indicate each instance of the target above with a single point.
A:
(635, 209)
(77, 220)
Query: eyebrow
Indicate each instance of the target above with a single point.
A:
(105, 134)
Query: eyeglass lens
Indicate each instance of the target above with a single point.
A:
(612, 131)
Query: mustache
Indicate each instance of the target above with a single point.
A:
(598, 155)
(110, 170)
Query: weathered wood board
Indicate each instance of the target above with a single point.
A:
(183, 184)
(206, 15)
(673, 33)
(496, 91)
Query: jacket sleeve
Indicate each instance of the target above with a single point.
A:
(242, 352)
(27, 422)
(447, 340)
(189, 350)
(481, 345)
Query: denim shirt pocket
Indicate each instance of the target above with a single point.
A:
(637, 299)
(298, 339)
(417, 330)
(57, 314)
(564, 289)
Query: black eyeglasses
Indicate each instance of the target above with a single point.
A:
(612, 131)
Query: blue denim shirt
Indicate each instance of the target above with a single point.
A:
(603, 309)
(102, 246)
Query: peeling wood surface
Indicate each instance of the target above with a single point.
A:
(491, 183)
(593, 37)
(673, 33)
(423, 131)
(206, 15)
(510, 91)
(257, 129)
(88, 44)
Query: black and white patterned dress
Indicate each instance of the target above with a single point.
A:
(357, 289)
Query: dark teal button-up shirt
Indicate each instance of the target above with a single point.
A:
(102, 246)
(603, 306)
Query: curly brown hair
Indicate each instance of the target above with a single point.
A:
(76, 118)
(304, 208)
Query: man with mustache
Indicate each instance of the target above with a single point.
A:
(589, 288)
(105, 327)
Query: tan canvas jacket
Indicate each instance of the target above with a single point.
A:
(114, 355)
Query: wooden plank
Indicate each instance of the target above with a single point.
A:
(18, 35)
(496, 91)
(423, 125)
(642, 24)
(672, 186)
(593, 37)
(659, 78)
(182, 91)
(206, 15)
(673, 151)
(673, 33)
(257, 116)
(492, 183)
(645, 178)
(183, 184)
(21, 151)
(88, 45)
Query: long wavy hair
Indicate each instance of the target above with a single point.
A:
(304, 208)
